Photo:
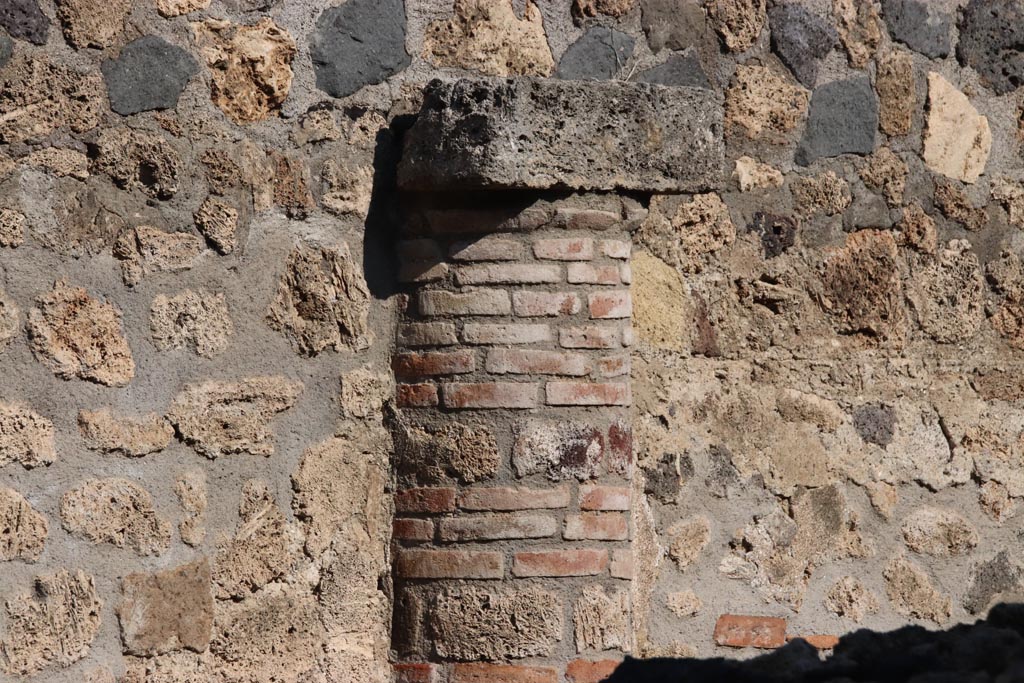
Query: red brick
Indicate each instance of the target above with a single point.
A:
(588, 274)
(604, 498)
(509, 274)
(596, 526)
(491, 395)
(428, 500)
(410, 251)
(568, 249)
(487, 249)
(497, 527)
(588, 394)
(610, 305)
(613, 366)
(536, 362)
(415, 365)
(420, 530)
(422, 272)
(615, 249)
(502, 673)
(479, 302)
(587, 671)
(622, 564)
(590, 337)
(560, 563)
(416, 395)
(586, 219)
(503, 499)
(427, 334)
(537, 304)
(415, 673)
(479, 333)
(449, 564)
(733, 630)
(818, 641)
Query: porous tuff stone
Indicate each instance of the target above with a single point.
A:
(38, 97)
(801, 39)
(630, 136)
(994, 580)
(23, 531)
(361, 42)
(197, 320)
(105, 431)
(597, 55)
(912, 593)
(88, 23)
(24, 19)
(166, 611)
(843, 120)
(115, 511)
(25, 437)
(937, 532)
(149, 74)
(921, 25)
(992, 41)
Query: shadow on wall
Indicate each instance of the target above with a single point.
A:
(988, 651)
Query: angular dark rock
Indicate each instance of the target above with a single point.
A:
(676, 24)
(992, 42)
(684, 69)
(921, 25)
(359, 43)
(875, 423)
(149, 74)
(843, 120)
(778, 233)
(25, 20)
(6, 48)
(597, 55)
(801, 39)
(998, 575)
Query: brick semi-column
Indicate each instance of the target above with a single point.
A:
(513, 444)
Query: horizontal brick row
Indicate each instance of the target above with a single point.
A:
(424, 365)
(596, 337)
(441, 499)
(504, 526)
(576, 671)
(485, 564)
(601, 305)
(513, 395)
(428, 251)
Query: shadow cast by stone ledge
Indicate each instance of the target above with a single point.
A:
(988, 651)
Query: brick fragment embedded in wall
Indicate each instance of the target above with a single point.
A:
(416, 672)
(596, 526)
(733, 630)
(593, 497)
(487, 249)
(416, 395)
(514, 395)
(497, 527)
(588, 394)
(500, 334)
(508, 274)
(502, 673)
(590, 671)
(426, 500)
(449, 564)
(432, 363)
(427, 334)
(536, 362)
(564, 249)
(413, 530)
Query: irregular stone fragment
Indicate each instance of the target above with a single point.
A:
(53, 625)
(218, 418)
(801, 39)
(602, 621)
(6, 48)
(738, 22)
(998, 579)
(862, 287)
(698, 229)
(655, 283)
(290, 177)
(115, 511)
(562, 450)
(912, 593)
(136, 159)
(952, 200)
(948, 294)
(884, 497)
(197, 320)
(76, 335)
(145, 250)
(80, 219)
(751, 174)
(957, 140)
(677, 70)
(843, 119)
(110, 433)
(88, 23)
(322, 301)
(191, 492)
(995, 501)
(25, 437)
(39, 97)
(763, 104)
(149, 74)
(849, 598)
(826, 193)
(918, 230)
(592, 8)
(687, 540)
(860, 30)
(1007, 192)
(24, 19)
(471, 623)
(10, 320)
(992, 42)
(886, 171)
(487, 36)
(777, 233)
(167, 611)
(217, 221)
(921, 25)
(23, 531)
(347, 189)
(894, 81)
(12, 228)
(434, 452)
(684, 603)
(597, 55)
(875, 423)
(62, 163)
(364, 391)
(358, 43)
(940, 533)
(175, 8)
(250, 66)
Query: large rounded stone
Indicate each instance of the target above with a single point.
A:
(149, 74)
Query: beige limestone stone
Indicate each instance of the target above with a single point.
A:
(40, 97)
(347, 189)
(134, 437)
(175, 8)
(738, 22)
(217, 221)
(698, 229)
(826, 193)
(862, 288)
(849, 598)
(763, 104)
(25, 437)
(912, 592)
(957, 140)
(751, 174)
(684, 604)
(168, 610)
(894, 82)
(262, 550)
(1006, 191)
(250, 66)
(146, 249)
(886, 171)
(687, 540)
(660, 303)
(75, 335)
(219, 418)
(196, 320)
(23, 530)
(948, 294)
(939, 532)
(92, 23)
(601, 621)
(487, 36)
(190, 488)
(139, 160)
(322, 301)
(364, 391)
(53, 625)
(115, 511)
(860, 29)
(10, 320)
(12, 228)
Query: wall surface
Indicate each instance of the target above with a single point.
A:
(199, 298)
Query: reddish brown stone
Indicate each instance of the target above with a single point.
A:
(733, 630)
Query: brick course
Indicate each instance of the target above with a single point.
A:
(538, 304)
(560, 563)
(508, 274)
(536, 362)
(509, 498)
(449, 564)
(479, 302)
(514, 395)
(497, 527)
(502, 673)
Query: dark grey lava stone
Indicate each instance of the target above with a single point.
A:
(597, 55)
(843, 120)
(678, 70)
(801, 39)
(25, 20)
(921, 25)
(992, 42)
(149, 74)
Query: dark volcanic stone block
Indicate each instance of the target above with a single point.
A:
(149, 74)
(992, 42)
(921, 25)
(800, 39)
(597, 55)
(24, 19)
(509, 134)
(6, 48)
(678, 70)
(843, 120)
